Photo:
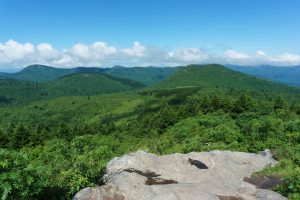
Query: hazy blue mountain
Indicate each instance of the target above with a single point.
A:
(145, 75)
(87, 70)
(288, 75)
(4, 75)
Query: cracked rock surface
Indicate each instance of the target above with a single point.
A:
(210, 175)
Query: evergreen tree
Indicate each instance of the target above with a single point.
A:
(20, 136)
(4, 139)
(244, 103)
(64, 131)
(280, 103)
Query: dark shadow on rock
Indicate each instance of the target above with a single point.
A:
(101, 181)
(264, 182)
(146, 174)
(159, 181)
(152, 177)
(229, 197)
(197, 164)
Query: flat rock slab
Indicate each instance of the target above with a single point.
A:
(214, 175)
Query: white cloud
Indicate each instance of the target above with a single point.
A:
(260, 53)
(65, 61)
(12, 51)
(85, 55)
(231, 54)
(101, 49)
(46, 51)
(80, 50)
(137, 50)
(287, 58)
(188, 55)
(14, 54)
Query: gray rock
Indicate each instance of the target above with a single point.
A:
(145, 176)
(89, 193)
(266, 153)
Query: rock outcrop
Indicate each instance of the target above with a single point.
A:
(214, 175)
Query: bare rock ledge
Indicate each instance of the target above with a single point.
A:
(214, 175)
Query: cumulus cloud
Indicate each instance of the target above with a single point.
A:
(101, 49)
(188, 55)
(137, 50)
(281, 59)
(12, 51)
(46, 51)
(260, 53)
(86, 55)
(287, 58)
(15, 54)
(80, 50)
(231, 54)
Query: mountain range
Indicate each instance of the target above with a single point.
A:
(43, 82)
(42, 73)
(150, 75)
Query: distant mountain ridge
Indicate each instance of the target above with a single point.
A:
(151, 75)
(283, 74)
(145, 75)
(81, 82)
(42, 73)
(218, 76)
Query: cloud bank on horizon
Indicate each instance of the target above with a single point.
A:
(100, 54)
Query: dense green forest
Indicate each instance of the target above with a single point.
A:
(14, 91)
(50, 148)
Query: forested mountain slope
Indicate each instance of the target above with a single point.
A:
(218, 76)
(83, 84)
(40, 73)
(12, 90)
(146, 75)
(90, 84)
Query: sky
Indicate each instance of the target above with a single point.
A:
(103, 33)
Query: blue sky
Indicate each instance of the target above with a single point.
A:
(208, 26)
